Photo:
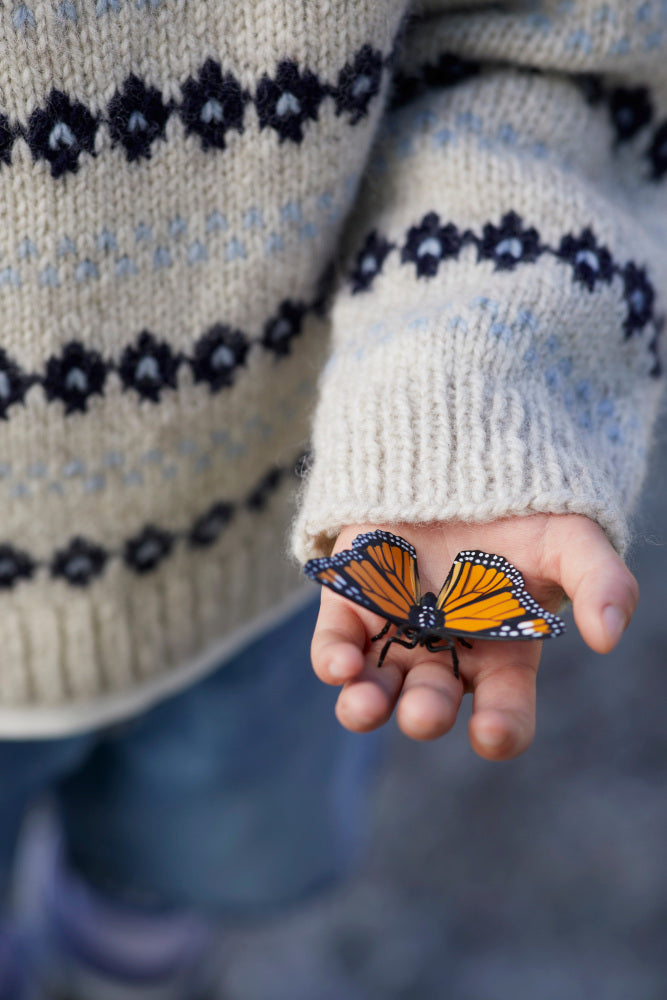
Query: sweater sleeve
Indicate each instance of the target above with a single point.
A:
(495, 332)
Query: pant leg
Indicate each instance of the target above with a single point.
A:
(29, 768)
(242, 793)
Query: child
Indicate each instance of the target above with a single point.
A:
(175, 180)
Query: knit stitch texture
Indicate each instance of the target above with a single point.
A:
(462, 207)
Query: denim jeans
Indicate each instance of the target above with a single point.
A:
(239, 794)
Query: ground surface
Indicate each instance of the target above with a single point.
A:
(540, 879)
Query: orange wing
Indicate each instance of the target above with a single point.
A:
(484, 596)
(379, 572)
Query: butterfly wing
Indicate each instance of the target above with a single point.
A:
(379, 572)
(485, 597)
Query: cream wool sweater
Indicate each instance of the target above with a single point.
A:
(442, 229)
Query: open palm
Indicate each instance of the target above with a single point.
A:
(557, 555)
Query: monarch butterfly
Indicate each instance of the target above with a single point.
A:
(483, 597)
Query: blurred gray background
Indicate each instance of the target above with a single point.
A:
(543, 878)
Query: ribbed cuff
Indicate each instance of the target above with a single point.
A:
(445, 423)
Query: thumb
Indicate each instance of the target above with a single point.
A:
(603, 591)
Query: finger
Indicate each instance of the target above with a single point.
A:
(502, 725)
(603, 591)
(338, 641)
(367, 702)
(430, 701)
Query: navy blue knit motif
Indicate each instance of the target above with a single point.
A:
(149, 367)
(6, 140)
(13, 383)
(14, 565)
(512, 244)
(81, 560)
(429, 243)
(370, 259)
(213, 103)
(75, 376)
(447, 71)
(358, 83)
(60, 132)
(282, 328)
(657, 152)
(218, 354)
(137, 117)
(286, 102)
(630, 111)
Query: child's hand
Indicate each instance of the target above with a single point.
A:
(560, 553)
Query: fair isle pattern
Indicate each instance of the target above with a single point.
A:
(213, 103)
(81, 560)
(461, 203)
(433, 242)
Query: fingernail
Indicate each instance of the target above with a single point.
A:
(614, 622)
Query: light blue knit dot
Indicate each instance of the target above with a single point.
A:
(458, 323)
(443, 137)
(187, 447)
(37, 470)
(253, 219)
(643, 13)
(74, 467)
(216, 220)
(197, 252)
(27, 249)
(620, 47)
(5, 470)
(501, 331)
(604, 15)
(161, 258)
(106, 240)
(585, 421)
(580, 41)
(552, 343)
(153, 455)
(19, 491)
(86, 269)
(653, 40)
(605, 407)
(23, 17)
(539, 150)
(66, 11)
(530, 357)
(143, 233)
(10, 276)
(170, 471)
(106, 5)
(273, 242)
(308, 231)
(49, 276)
(66, 246)
(467, 120)
(56, 487)
(113, 459)
(325, 201)
(552, 378)
(177, 226)
(538, 20)
(94, 483)
(525, 320)
(565, 366)
(584, 390)
(614, 433)
(419, 323)
(125, 267)
(291, 212)
(507, 134)
(133, 478)
(235, 250)
(219, 436)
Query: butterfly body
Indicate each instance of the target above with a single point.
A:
(484, 596)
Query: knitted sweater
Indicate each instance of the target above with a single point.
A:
(462, 207)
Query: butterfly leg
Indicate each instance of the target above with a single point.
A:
(464, 642)
(431, 645)
(401, 642)
(383, 632)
